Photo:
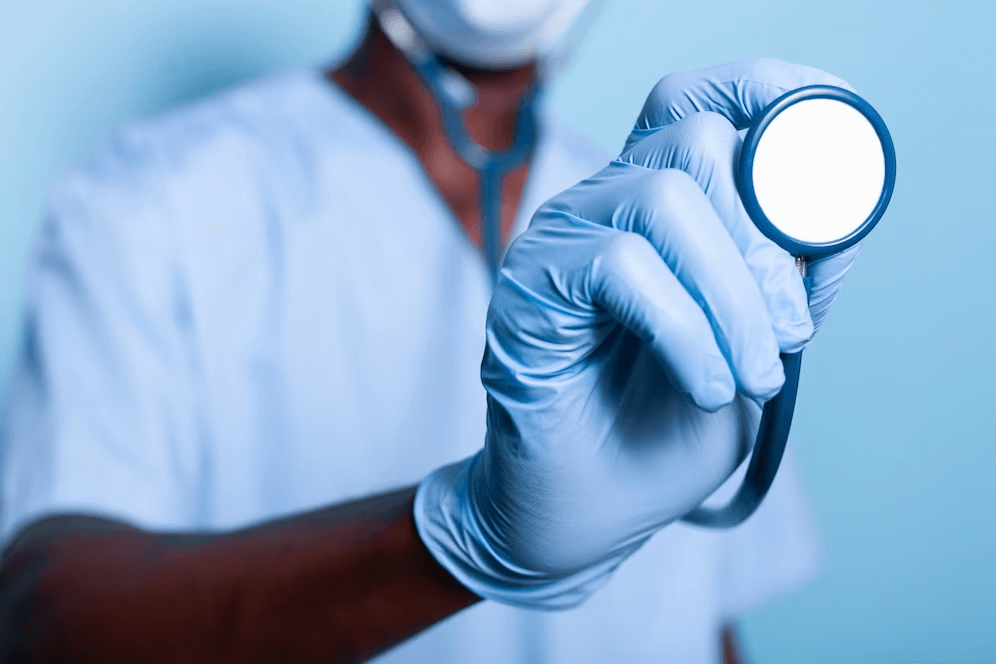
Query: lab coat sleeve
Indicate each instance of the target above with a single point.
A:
(102, 414)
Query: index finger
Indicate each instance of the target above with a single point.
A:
(737, 90)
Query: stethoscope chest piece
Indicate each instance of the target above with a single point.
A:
(816, 170)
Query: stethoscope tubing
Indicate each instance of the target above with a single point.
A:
(453, 95)
(769, 447)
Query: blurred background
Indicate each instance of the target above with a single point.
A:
(896, 425)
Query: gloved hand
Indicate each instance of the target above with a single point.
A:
(635, 330)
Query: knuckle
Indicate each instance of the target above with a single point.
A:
(666, 190)
(660, 104)
(621, 262)
(708, 125)
(711, 135)
(623, 249)
(668, 84)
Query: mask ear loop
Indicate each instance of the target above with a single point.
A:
(454, 94)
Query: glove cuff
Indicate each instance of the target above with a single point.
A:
(448, 525)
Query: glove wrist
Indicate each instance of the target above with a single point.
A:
(449, 523)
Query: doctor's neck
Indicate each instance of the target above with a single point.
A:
(379, 77)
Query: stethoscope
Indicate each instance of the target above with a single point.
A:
(816, 173)
(454, 94)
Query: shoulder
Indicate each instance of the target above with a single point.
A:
(208, 170)
(216, 145)
(272, 118)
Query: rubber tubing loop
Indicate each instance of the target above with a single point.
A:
(769, 446)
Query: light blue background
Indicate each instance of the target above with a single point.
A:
(897, 413)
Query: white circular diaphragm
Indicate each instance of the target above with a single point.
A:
(818, 171)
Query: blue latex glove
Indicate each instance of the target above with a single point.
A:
(633, 334)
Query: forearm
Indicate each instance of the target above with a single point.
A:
(338, 584)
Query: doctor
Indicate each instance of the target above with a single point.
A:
(252, 319)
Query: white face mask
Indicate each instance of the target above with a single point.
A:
(491, 34)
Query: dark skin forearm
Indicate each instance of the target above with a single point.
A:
(335, 585)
